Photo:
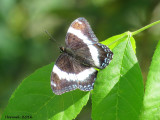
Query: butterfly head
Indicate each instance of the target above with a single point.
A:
(62, 49)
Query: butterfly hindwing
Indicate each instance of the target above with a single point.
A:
(74, 69)
(81, 39)
(60, 82)
(105, 55)
(68, 74)
(101, 56)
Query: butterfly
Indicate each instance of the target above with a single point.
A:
(75, 67)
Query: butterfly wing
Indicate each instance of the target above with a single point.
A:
(81, 39)
(100, 56)
(75, 70)
(79, 33)
(68, 75)
(105, 55)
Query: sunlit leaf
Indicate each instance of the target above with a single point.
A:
(152, 90)
(118, 90)
(34, 98)
(115, 40)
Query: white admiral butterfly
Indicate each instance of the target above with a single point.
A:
(75, 67)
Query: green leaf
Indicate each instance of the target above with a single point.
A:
(151, 101)
(118, 91)
(115, 40)
(35, 98)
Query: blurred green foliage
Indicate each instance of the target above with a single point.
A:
(24, 46)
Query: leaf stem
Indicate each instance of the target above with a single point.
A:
(144, 28)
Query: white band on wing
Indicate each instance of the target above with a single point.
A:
(73, 77)
(93, 50)
(85, 74)
(53, 84)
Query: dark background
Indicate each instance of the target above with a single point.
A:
(24, 46)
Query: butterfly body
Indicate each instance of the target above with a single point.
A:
(75, 68)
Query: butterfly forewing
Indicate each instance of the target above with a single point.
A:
(68, 74)
(61, 81)
(80, 32)
(81, 39)
(75, 66)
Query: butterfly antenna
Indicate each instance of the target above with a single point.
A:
(52, 39)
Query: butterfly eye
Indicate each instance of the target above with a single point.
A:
(62, 49)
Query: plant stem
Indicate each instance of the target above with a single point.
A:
(146, 27)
